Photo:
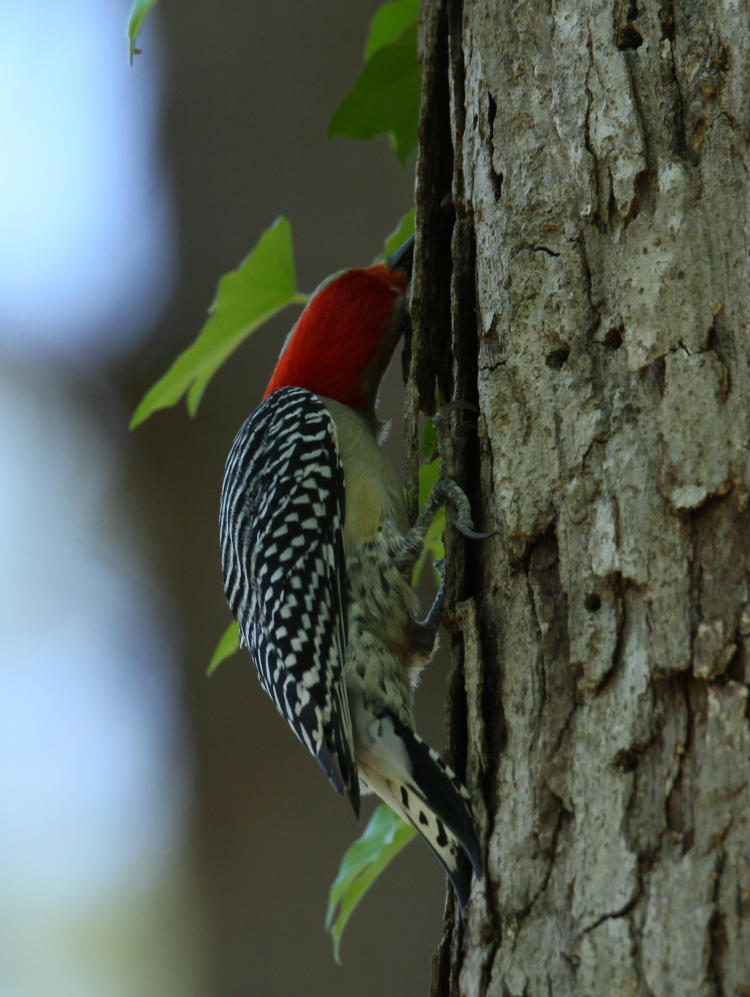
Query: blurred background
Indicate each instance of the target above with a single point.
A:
(162, 833)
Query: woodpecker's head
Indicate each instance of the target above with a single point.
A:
(346, 335)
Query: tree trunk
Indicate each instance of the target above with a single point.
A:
(589, 292)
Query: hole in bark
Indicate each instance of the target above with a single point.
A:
(667, 24)
(626, 34)
(492, 110)
(626, 760)
(557, 358)
(658, 370)
(628, 37)
(497, 178)
(613, 339)
(592, 602)
(712, 339)
(641, 186)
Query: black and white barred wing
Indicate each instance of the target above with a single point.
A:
(281, 525)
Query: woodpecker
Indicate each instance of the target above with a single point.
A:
(317, 555)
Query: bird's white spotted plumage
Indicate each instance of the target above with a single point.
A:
(281, 523)
(326, 609)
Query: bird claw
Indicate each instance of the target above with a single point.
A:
(468, 532)
(425, 631)
(448, 492)
(459, 509)
(464, 428)
(441, 421)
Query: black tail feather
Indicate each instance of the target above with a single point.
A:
(442, 793)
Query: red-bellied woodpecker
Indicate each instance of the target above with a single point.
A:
(317, 554)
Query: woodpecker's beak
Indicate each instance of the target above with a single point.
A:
(403, 257)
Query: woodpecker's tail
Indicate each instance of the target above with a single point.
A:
(415, 782)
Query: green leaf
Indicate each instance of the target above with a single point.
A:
(389, 23)
(400, 234)
(432, 548)
(261, 286)
(385, 98)
(428, 475)
(228, 644)
(382, 840)
(138, 13)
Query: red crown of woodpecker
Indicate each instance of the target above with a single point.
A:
(345, 337)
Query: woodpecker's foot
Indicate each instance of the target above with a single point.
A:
(458, 508)
(446, 491)
(446, 435)
(441, 419)
(439, 566)
(428, 627)
(424, 637)
(449, 493)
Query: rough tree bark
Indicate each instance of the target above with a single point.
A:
(590, 294)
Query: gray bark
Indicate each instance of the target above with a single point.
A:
(589, 292)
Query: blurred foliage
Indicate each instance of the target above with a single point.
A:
(385, 98)
(380, 842)
(401, 233)
(138, 14)
(229, 642)
(261, 286)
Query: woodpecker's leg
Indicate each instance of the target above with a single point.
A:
(445, 491)
(432, 620)
(441, 423)
(425, 631)
(449, 493)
